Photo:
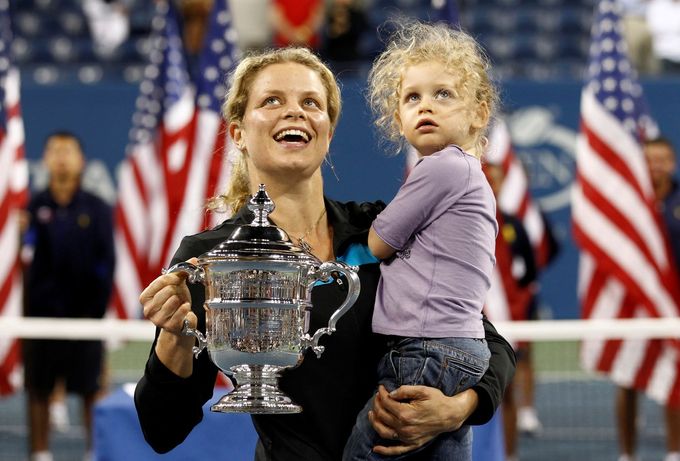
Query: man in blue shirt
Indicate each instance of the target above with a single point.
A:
(68, 248)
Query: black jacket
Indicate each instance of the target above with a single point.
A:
(71, 274)
(331, 389)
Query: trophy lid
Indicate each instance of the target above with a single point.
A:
(259, 240)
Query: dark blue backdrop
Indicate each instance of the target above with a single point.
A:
(543, 118)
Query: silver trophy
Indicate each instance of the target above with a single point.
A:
(257, 300)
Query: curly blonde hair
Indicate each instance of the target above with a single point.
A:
(415, 42)
(236, 101)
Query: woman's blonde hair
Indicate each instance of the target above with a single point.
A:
(236, 101)
(415, 42)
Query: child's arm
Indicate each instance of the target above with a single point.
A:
(378, 247)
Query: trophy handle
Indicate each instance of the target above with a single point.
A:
(195, 274)
(200, 337)
(326, 271)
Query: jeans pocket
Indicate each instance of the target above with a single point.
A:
(408, 369)
(460, 368)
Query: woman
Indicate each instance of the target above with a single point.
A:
(282, 109)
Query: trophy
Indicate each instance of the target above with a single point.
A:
(257, 302)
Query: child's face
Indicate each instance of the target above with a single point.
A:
(432, 111)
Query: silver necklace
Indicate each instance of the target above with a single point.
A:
(302, 241)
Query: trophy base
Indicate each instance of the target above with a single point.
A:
(245, 402)
(256, 393)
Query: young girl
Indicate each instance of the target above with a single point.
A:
(437, 237)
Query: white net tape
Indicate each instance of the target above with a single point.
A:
(543, 330)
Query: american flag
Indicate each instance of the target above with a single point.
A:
(625, 267)
(506, 299)
(13, 194)
(219, 57)
(154, 174)
(515, 196)
(176, 156)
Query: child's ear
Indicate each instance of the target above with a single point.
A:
(398, 120)
(481, 115)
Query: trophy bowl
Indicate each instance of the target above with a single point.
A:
(257, 302)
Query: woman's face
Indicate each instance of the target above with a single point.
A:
(285, 129)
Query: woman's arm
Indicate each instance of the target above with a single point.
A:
(170, 395)
(491, 388)
(417, 414)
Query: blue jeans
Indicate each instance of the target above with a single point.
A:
(450, 364)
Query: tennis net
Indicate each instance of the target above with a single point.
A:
(576, 408)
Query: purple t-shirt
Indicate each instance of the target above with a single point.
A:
(443, 224)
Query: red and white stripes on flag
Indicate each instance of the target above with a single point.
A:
(625, 266)
(153, 176)
(13, 194)
(515, 196)
(506, 299)
(176, 158)
(218, 59)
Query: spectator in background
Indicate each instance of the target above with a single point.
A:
(523, 268)
(527, 416)
(68, 250)
(194, 23)
(297, 22)
(109, 23)
(661, 160)
(345, 22)
(519, 412)
(663, 17)
(252, 24)
(638, 38)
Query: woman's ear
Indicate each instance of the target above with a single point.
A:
(236, 134)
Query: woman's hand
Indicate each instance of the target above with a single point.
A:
(417, 414)
(167, 303)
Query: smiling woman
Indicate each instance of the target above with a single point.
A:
(288, 101)
(326, 97)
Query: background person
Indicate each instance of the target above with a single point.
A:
(523, 268)
(638, 37)
(663, 19)
(68, 247)
(346, 24)
(297, 22)
(661, 160)
(282, 110)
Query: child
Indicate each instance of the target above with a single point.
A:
(431, 87)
